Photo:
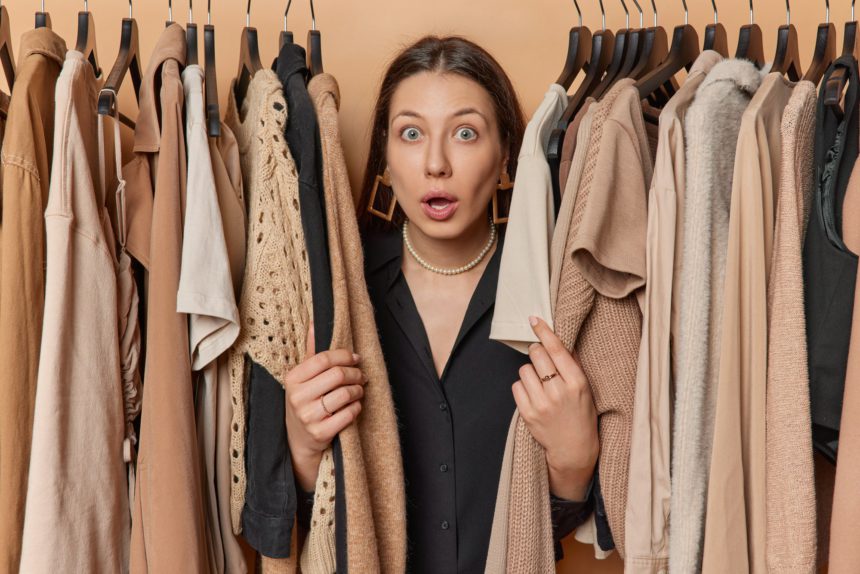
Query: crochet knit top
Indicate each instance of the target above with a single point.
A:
(275, 302)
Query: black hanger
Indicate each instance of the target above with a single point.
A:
(315, 65)
(249, 57)
(750, 42)
(602, 43)
(715, 35)
(6, 57)
(836, 82)
(86, 40)
(655, 48)
(191, 42)
(286, 36)
(618, 52)
(682, 54)
(578, 52)
(213, 113)
(127, 61)
(43, 19)
(635, 41)
(787, 59)
(825, 47)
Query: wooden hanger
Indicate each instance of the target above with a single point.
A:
(635, 43)
(602, 43)
(43, 19)
(838, 79)
(655, 48)
(787, 58)
(315, 65)
(682, 54)
(578, 52)
(715, 35)
(825, 47)
(249, 58)
(86, 40)
(6, 57)
(750, 42)
(127, 62)
(213, 113)
(286, 36)
(191, 42)
(618, 52)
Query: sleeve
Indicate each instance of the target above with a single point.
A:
(270, 493)
(567, 515)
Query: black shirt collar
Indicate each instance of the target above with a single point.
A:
(291, 60)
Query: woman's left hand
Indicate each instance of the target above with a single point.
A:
(554, 399)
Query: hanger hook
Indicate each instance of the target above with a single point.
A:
(287, 11)
(827, 11)
(641, 14)
(190, 11)
(130, 14)
(313, 17)
(578, 11)
(86, 6)
(248, 15)
(626, 14)
(752, 16)
(714, 6)
(43, 5)
(686, 12)
(209, 12)
(170, 10)
(787, 13)
(654, 7)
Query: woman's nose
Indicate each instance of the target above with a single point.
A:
(436, 163)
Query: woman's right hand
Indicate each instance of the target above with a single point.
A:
(323, 397)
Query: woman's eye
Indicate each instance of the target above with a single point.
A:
(466, 134)
(410, 134)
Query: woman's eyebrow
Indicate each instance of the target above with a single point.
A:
(458, 113)
(468, 111)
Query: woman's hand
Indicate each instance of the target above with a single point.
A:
(323, 397)
(554, 399)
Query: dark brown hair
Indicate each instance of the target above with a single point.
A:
(454, 55)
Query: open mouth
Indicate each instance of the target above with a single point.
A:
(439, 206)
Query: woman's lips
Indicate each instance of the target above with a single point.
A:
(439, 206)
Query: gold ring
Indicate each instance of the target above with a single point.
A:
(548, 377)
(322, 402)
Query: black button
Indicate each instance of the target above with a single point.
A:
(444, 468)
(443, 406)
(445, 525)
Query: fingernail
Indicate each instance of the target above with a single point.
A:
(365, 377)
(355, 357)
(533, 321)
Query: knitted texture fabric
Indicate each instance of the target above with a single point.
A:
(605, 332)
(791, 517)
(319, 553)
(275, 302)
(711, 127)
(372, 466)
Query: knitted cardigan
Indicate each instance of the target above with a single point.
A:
(275, 303)
(374, 493)
(791, 519)
(605, 332)
(711, 127)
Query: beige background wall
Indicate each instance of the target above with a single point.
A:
(529, 37)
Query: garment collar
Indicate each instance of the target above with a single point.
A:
(743, 73)
(44, 42)
(171, 46)
(291, 60)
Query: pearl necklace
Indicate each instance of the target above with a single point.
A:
(449, 270)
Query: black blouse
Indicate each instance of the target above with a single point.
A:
(452, 429)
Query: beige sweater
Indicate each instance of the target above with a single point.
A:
(791, 535)
(372, 466)
(597, 314)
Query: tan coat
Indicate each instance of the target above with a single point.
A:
(649, 488)
(26, 160)
(79, 413)
(790, 502)
(735, 523)
(168, 525)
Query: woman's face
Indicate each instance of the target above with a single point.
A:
(444, 152)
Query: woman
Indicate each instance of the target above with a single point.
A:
(446, 134)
